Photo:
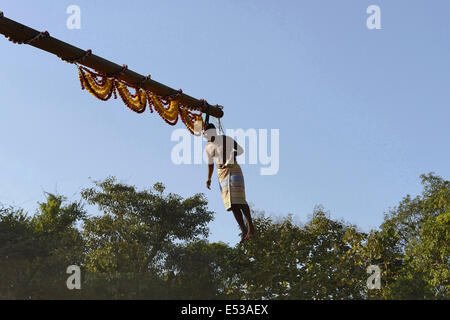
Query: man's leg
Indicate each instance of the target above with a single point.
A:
(248, 217)
(240, 220)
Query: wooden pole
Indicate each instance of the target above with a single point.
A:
(16, 31)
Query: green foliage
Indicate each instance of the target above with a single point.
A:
(413, 245)
(313, 261)
(147, 244)
(139, 228)
(202, 269)
(33, 250)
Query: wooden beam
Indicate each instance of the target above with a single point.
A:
(16, 31)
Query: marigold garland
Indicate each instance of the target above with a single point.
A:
(189, 119)
(99, 86)
(136, 102)
(170, 115)
(103, 86)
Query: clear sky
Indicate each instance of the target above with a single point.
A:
(361, 113)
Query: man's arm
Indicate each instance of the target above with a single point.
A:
(210, 166)
(210, 172)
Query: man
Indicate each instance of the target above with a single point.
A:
(223, 150)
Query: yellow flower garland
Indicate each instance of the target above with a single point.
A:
(137, 103)
(170, 114)
(104, 87)
(101, 90)
(189, 119)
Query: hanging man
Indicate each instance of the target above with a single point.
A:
(223, 150)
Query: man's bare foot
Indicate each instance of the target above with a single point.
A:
(250, 235)
(243, 238)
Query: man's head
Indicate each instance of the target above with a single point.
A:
(210, 132)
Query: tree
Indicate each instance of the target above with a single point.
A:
(35, 252)
(201, 270)
(137, 231)
(412, 244)
(313, 261)
(151, 245)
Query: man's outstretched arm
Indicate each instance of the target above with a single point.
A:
(210, 172)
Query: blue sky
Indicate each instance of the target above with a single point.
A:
(361, 113)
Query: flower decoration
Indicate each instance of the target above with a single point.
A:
(103, 86)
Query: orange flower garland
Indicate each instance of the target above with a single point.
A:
(102, 86)
(170, 115)
(189, 119)
(136, 102)
(99, 86)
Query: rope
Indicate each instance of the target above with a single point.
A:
(117, 74)
(144, 79)
(204, 103)
(220, 126)
(80, 59)
(39, 36)
(171, 97)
